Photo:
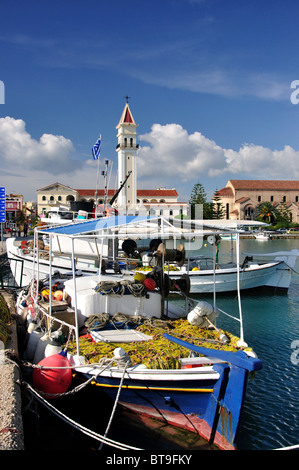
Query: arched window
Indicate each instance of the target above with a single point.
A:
(43, 198)
(131, 142)
(59, 198)
(51, 198)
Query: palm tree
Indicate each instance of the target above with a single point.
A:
(266, 212)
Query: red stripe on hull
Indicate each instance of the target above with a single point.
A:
(189, 422)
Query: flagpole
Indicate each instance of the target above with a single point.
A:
(98, 168)
(96, 211)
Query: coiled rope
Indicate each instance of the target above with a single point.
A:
(120, 288)
(99, 321)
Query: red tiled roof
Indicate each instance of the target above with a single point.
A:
(156, 192)
(140, 192)
(225, 192)
(92, 192)
(242, 199)
(266, 185)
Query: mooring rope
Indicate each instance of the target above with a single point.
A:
(88, 432)
(115, 404)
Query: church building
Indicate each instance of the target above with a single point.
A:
(240, 198)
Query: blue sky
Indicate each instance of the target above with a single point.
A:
(209, 84)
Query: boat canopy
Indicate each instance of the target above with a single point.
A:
(113, 222)
(95, 225)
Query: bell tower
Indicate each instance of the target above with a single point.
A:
(127, 150)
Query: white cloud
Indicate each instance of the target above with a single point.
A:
(173, 152)
(50, 154)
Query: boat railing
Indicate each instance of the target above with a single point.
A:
(8, 272)
(113, 234)
(52, 318)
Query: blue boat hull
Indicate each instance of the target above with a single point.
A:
(210, 408)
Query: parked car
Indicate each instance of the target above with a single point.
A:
(293, 230)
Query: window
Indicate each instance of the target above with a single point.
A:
(296, 199)
(43, 198)
(59, 198)
(284, 199)
(51, 198)
(259, 198)
(227, 210)
(271, 198)
(131, 142)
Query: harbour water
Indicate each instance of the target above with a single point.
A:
(271, 325)
(271, 416)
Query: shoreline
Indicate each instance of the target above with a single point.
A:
(11, 421)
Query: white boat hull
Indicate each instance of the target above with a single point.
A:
(276, 274)
(272, 274)
(22, 264)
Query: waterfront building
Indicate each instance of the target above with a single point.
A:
(13, 207)
(240, 198)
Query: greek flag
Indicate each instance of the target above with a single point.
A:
(96, 149)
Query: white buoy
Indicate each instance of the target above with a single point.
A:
(52, 348)
(40, 348)
(197, 316)
(33, 340)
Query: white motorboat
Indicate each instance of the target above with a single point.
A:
(92, 250)
(262, 236)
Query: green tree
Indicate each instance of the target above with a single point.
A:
(218, 208)
(200, 208)
(284, 216)
(266, 212)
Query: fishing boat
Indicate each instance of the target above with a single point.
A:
(167, 362)
(90, 251)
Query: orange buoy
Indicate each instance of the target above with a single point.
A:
(149, 283)
(51, 381)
